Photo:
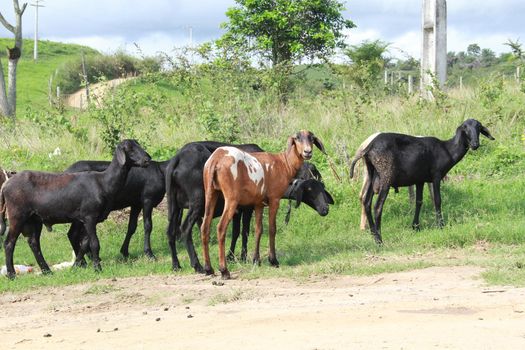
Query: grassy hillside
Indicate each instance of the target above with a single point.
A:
(33, 76)
(483, 199)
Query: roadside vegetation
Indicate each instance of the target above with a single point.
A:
(204, 94)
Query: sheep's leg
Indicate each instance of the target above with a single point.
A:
(75, 235)
(229, 211)
(367, 203)
(187, 235)
(236, 231)
(378, 211)
(34, 243)
(366, 179)
(147, 212)
(90, 226)
(246, 218)
(211, 201)
(272, 229)
(419, 202)
(437, 203)
(258, 234)
(9, 246)
(132, 227)
(174, 225)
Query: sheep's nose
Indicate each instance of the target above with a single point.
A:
(324, 211)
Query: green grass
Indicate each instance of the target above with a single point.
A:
(33, 77)
(483, 200)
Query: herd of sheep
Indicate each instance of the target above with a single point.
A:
(211, 179)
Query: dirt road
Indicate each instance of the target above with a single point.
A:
(97, 91)
(441, 308)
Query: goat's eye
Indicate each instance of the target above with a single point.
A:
(309, 188)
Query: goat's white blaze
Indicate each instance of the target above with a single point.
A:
(366, 142)
(254, 167)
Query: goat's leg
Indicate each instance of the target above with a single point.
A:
(236, 231)
(174, 225)
(132, 227)
(210, 202)
(258, 234)
(437, 202)
(187, 235)
(367, 203)
(227, 215)
(419, 202)
(246, 218)
(147, 211)
(90, 225)
(378, 211)
(76, 235)
(272, 229)
(9, 247)
(366, 180)
(34, 243)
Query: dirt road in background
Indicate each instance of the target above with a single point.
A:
(96, 92)
(443, 308)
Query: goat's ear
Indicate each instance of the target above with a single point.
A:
(329, 197)
(291, 142)
(121, 155)
(319, 144)
(299, 194)
(485, 132)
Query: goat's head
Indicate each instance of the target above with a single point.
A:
(303, 141)
(131, 153)
(471, 128)
(313, 194)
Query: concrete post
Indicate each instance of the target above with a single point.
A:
(434, 49)
(410, 84)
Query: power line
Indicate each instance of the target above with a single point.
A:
(36, 5)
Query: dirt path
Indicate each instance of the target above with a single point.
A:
(96, 92)
(444, 308)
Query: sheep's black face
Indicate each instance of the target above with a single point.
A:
(135, 154)
(472, 129)
(316, 196)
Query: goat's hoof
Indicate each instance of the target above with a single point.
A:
(243, 258)
(80, 263)
(208, 271)
(256, 261)
(273, 262)
(198, 268)
(416, 227)
(47, 272)
(98, 268)
(175, 267)
(151, 256)
(11, 275)
(125, 254)
(378, 240)
(230, 256)
(225, 274)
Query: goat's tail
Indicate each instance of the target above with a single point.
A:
(170, 193)
(361, 151)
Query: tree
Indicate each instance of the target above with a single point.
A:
(473, 50)
(369, 54)
(8, 96)
(488, 58)
(285, 31)
(516, 48)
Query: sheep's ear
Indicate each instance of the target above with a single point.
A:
(485, 132)
(329, 197)
(121, 156)
(291, 142)
(319, 144)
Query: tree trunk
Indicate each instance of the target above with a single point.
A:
(8, 101)
(4, 106)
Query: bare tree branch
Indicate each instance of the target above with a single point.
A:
(6, 24)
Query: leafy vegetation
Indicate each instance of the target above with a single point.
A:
(223, 100)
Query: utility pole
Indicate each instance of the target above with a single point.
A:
(36, 5)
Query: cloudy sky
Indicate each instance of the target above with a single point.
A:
(160, 25)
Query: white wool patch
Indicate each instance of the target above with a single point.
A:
(254, 167)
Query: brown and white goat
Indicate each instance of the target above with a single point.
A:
(256, 179)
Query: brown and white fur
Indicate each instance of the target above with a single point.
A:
(259, 179)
